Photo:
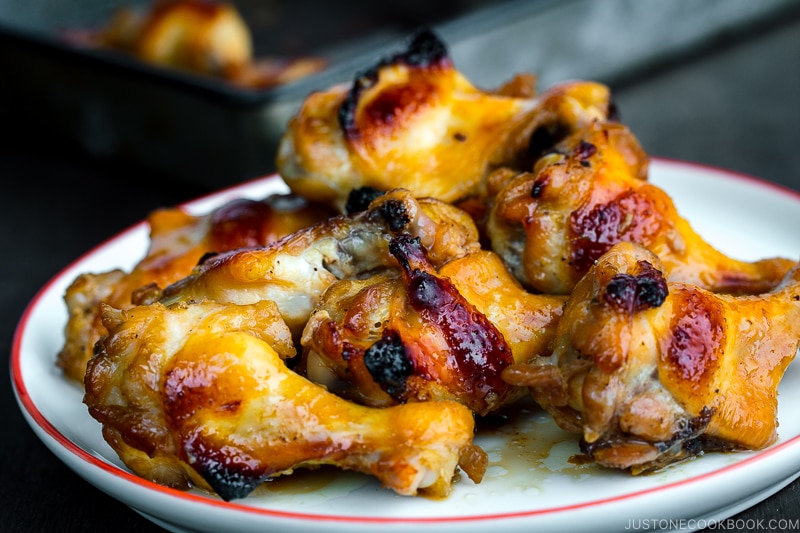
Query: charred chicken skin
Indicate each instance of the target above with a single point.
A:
(295, 271)
(413, 121)
(178, 241)
(199, 395)
(424, 333)
(551, 224)
(651, 371)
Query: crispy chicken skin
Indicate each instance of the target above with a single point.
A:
(295, 271)
(651, 371)
(551, 224)
(198, 394)
(420, 333)
(177, 242)
(413, 121)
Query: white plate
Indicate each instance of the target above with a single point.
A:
(529, 485)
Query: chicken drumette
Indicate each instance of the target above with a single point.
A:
(651, 371)
(590, 193)
(424, 333)
(198, 394)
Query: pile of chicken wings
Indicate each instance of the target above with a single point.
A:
(445, 253)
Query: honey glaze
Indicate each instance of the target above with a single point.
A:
(304, 481)
(527, 450)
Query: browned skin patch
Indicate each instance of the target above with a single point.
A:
(202, 385)
(696, 337)
(424, 51)
(596, 227)
(477, 352)
(244, 223)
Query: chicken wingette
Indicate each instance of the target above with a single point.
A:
(295, 271)
(591, 192)
(413, 121)
(178, 240)
(423, 333)
(650, 371)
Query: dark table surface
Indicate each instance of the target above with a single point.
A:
(734, 105)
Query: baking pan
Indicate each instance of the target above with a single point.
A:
(214, 134)
(111, 105)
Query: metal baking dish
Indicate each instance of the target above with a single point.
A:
(184, 125)
(214, 134)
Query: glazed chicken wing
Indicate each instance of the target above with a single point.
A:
(551, 224)
(295, 271)
(413, 121)
(197, 35)
(424, 334)
(198, 394)
(177, 242)
(200, 36)
(651, 371)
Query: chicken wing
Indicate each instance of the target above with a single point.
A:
(295, 271)
(422, 333)
(199, 36)
(177, 242)
(413, 121)
(551, 224)
(651, 372)
(198, 394)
